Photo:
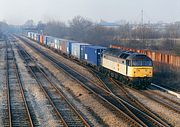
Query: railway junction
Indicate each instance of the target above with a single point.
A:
(41, 87)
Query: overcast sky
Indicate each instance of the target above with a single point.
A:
(18, 11)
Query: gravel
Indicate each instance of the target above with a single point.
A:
(169, 115)
(39, 104)
(2, 82)
(90, 106)
(165, 94)
(82, 70)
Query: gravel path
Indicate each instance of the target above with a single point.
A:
(89, 103)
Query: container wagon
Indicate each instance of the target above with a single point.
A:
(93, 54)
(77, 50)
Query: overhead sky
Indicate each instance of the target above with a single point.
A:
(18, 11)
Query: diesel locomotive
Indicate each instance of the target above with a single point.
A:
(128, 67)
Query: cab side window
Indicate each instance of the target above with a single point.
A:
(128, 63)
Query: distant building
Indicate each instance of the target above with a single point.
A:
(108, 24)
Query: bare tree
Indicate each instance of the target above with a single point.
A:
(41, 26)
(79, 28)
(55, 28)
(100, 35)
(29, 23)
(173, 30)
(3, 28)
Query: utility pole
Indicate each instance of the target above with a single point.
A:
(142, 25)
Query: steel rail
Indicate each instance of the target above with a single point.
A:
(90, 89)
(59, 93)
(29, 119)
(7, 85)
(138, 104)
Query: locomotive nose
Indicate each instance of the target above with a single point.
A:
(142, 72)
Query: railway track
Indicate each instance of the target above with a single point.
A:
(124, 94)
(17, 110)
(162, 99)
(155, 96)
(121, 92)
(130, 112)
(64, 109)
(115, 86)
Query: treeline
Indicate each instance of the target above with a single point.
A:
(3, 28)
(82, 29)
(129, 35)
(6, 28)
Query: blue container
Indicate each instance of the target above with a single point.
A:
(93, 54)
(77, 49)
(38, 38)
(69, 46)
(50, 41)
(82, 51)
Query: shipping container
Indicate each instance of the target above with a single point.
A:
(69, 46)
(50, 42)
(60, 44)
(48, 39)
(38, 38)
(41, 39)
(32, 35)
(45, 40)
(77, 49)
(35, 36)
(93, 54)
(29, 34)
(82, 50)
(63, 45)
(56, 43)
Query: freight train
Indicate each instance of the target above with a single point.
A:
(131, 68)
